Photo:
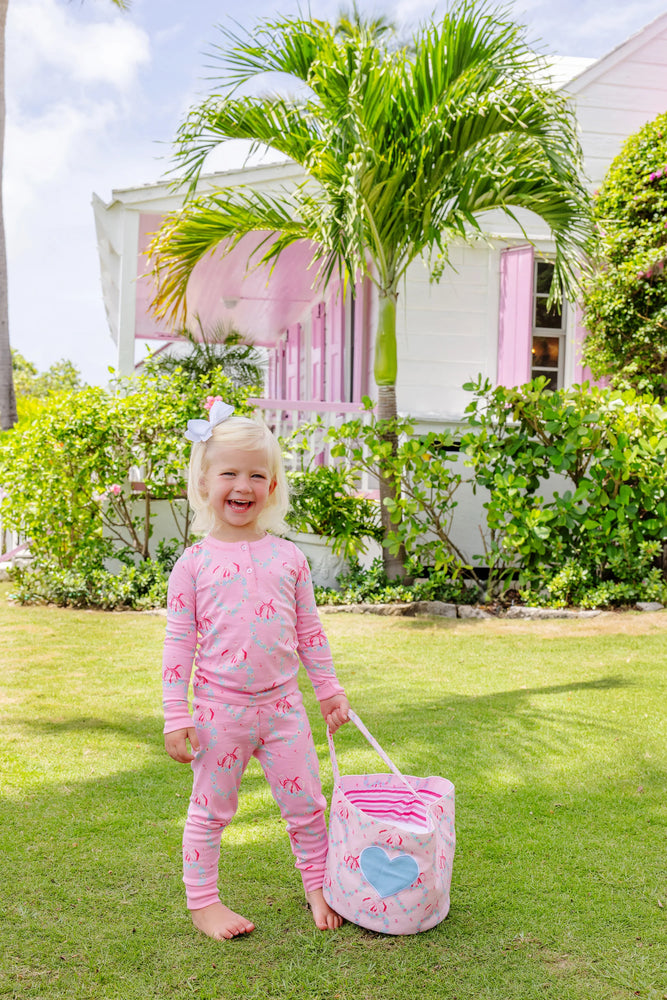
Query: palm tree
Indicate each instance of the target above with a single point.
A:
(219, 348)
(402, 149)
(8, 414)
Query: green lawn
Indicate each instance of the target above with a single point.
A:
(554, 734)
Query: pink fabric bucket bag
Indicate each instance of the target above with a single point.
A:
(391, 847)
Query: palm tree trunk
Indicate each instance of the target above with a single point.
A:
(8, 414)
(394, 565)
(385, 376)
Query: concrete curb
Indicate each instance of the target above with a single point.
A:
(442, 610)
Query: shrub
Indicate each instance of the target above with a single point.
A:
(138, 587)
(425, 483)
(325, 500)
(68, 475)
(625, 297)
(373, 586)
(610, 448)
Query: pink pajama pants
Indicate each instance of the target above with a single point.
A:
(278, 734)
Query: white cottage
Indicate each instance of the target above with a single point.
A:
(486, 316)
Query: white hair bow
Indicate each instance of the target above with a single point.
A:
(201, 430)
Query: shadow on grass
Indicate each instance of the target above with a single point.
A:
(142, 728)
(518, 694)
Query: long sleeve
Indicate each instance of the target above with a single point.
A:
(313, 645)
(180, 645)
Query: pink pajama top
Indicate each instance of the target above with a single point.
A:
(244, 615)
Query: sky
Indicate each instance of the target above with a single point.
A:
(94, 97)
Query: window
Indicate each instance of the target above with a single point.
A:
(548, 342)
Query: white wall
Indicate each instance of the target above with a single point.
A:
(619, 94)
(447, 332)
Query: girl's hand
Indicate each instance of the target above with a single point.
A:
(176, 744)
(335, 711)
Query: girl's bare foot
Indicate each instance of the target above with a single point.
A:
(325, 918)
(219, 922)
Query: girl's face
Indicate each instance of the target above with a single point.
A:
(237, 484)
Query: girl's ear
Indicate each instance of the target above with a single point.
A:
(274, 483)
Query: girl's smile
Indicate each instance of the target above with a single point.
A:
(238, 484)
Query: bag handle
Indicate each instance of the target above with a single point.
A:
(378, 749)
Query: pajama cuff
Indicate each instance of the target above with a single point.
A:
(199, 896)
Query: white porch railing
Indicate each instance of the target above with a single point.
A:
(285, 416)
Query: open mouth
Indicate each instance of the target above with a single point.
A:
(240, 505)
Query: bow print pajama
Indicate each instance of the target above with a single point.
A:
(244, 615)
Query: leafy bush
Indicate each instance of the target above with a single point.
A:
(625, 297)
(325, 500)
(138, 587)
(68, 476)
(373, 586)
(610, 448)
(574, 585)
(425, 482)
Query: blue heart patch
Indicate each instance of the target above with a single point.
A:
(387, 875)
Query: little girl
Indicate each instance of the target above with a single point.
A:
(241, 609)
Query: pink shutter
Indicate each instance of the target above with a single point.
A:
(317, 351)
(362, 340)
(515, 328)
(334, 383)
(293, 362)
(582, 372)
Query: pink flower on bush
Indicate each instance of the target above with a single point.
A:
(210, 400)
(115, 489)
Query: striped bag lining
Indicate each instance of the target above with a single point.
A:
(394, 805)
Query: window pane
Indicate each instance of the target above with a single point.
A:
(545, 352)
(551, 377)
(547, 319)
(543, 278)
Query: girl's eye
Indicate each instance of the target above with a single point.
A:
(258, 475)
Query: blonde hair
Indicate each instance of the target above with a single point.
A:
(253, 435)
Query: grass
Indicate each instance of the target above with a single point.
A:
(553, 733)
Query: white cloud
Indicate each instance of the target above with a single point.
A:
(69, 72)
(46, 35)
(45, 148)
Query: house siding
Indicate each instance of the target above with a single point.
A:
(442, 333)
(619, 94)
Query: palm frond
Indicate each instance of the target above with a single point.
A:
(271, 122)
(218, 222)
(402, 148)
